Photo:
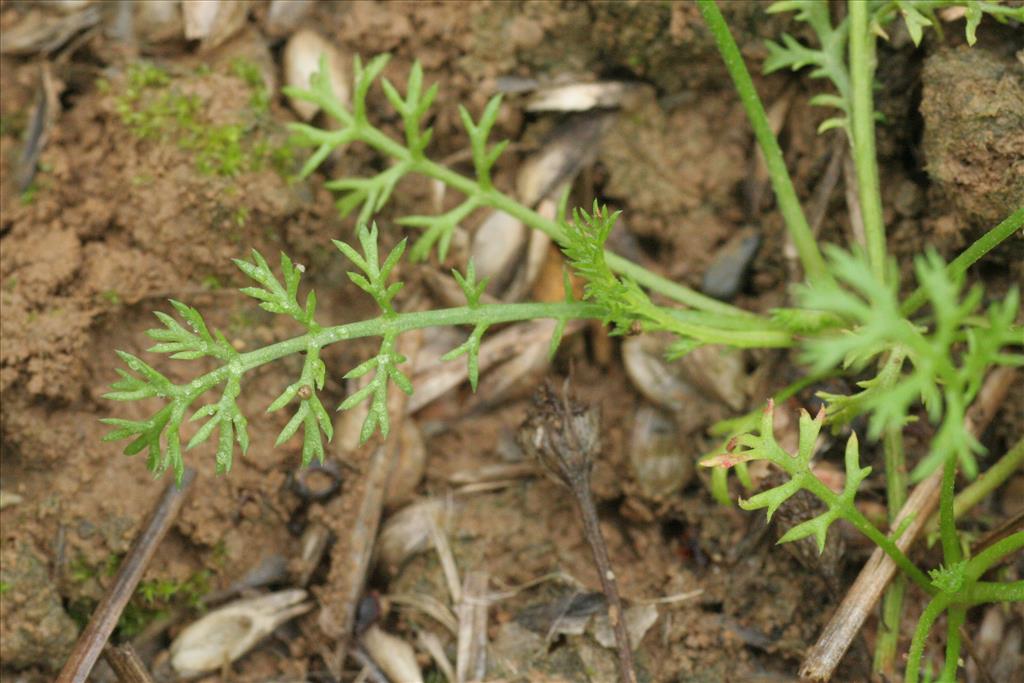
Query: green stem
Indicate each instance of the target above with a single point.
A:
(976, 594)
(491, 314)
(789, 205)
(973, 592)
(862, 126)
(358, 129)
(958, 266)
(987, 482)
(983, 561)
(893, 551)
(497, 199)
(887, 644)
(985, 592)
(737, 332)
(951, 551)
(994, 8)
(851, 514)
(924, 625)
(895, 471)
(955, 618)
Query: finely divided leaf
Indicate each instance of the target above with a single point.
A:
(272, 294)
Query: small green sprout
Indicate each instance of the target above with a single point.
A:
(259, 100)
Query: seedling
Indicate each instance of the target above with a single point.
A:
(848, 316)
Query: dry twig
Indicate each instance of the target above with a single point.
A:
(126, 664)
(104, 619)
(351, 555)
(471, 661)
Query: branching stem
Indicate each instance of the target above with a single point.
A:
(383, 326)
(863, 525)
(496, 199)
(971, 592)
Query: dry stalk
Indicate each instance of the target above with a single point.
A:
(353, 552)
(823, 191)
(125, 662)
(104, 619)
(431, 643)
(564, 436)
(447, 560)
(471, 660)
(427, 605)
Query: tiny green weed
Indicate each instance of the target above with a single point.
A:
(153, 599)
(156, 598)
(155, 108)
(848, 316)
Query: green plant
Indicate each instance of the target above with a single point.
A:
(156, 598)
(848, 314)
(153, 106)
(952, 588)
(153, 599)
(30, 193)
(948, 353)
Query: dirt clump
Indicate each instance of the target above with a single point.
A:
(679, 170)
(34, 628)
(973, 108)
(116, 219)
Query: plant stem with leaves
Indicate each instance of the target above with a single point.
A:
(883, 398)
(371, 194)
(160, 434)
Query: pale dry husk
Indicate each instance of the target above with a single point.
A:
(225, 634)
(660, 464)
(302, 57)
(213, 22)
(394, 656)
(408, 532)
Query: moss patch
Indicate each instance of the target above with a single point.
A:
(156, 106)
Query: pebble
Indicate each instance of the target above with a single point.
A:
(724, 277)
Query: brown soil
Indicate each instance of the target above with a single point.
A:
(114, 225)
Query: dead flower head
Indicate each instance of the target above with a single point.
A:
(562, 433)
